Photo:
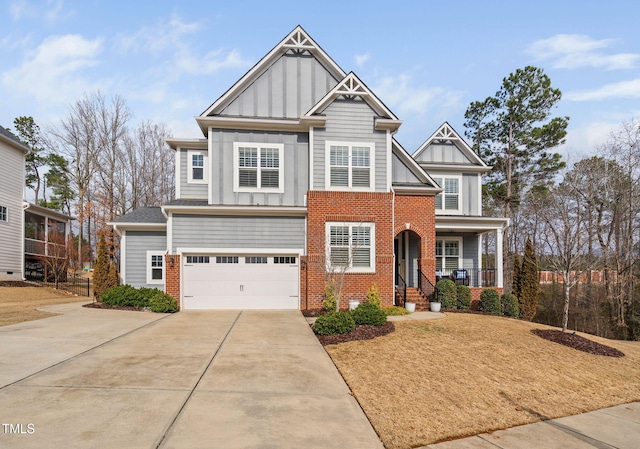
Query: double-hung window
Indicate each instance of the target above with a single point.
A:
(155, 267)
(4, 215)
(197, 167)
(449, 199)
(448, 255)
(351, 246)
(258, 167)
(350, 166)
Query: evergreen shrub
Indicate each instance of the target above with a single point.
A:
(490, 301)
(463, 294)
(334, 323)
(446, 294)
(369, 313)
(510, 305)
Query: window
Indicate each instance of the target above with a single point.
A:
(350, 165)
(227, 259)
(351, 245)
(197, 259)
(449, 199)
(284, 260)
(258, 167)
(255, 259)
(4, 215)
(155, 267)
(448, 255)
(197, 166)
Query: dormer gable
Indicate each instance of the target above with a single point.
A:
(446, 148)
(350, 88)
(407, 175)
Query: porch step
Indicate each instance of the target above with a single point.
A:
(416, 296)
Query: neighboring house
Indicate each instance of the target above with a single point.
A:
(12, 173)
(46, 234)
(298, 171)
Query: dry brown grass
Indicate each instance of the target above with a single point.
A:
(466, 374)
(18, 304)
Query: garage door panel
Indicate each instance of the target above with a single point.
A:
(241, 285)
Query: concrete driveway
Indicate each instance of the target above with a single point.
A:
(227, 379)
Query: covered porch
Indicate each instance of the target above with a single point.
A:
(463, 250)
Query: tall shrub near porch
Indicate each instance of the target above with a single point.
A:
(528, 300)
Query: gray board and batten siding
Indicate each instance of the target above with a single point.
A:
(349, 121)
(289, 88)
(137, 245)
(295, 164)
(401, 174)
(195, 191)
(444, 153)
(205, 231)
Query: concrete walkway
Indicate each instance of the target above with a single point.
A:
(226, 379)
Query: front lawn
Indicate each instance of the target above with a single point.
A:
(466, 374)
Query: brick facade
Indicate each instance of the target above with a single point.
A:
(172, 276)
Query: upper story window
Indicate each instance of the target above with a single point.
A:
(197, 169)
(4, 215)
(350, 166)
(449, 199)
(258, 167)
(351, 246)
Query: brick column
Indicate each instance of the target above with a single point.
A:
(172, 276)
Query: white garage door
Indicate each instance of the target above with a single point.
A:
(241, 282)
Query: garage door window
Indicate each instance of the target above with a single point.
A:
(155, 267)
(227, 259)
(255, 259)
(284, 260)
(197, 259)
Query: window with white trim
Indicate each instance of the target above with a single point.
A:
(350, 165)
(258, 167)
(449, 198)
(351, 245)
(4, 214)
(197, 166)
(155, 267)
(448, 255)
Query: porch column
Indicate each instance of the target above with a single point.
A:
(499, 276)
(46, 236)
(479, 270)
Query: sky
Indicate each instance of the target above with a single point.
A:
(426, 60)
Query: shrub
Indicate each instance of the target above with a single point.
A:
(334, 323)
(510, 305)
(463, 294)
(490, 301)
(373, 295)
(124, 296)
(395, 311)
(446, 294)
(369, 313)
(162, 303)
(329, 302)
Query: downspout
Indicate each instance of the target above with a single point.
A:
(393, 227)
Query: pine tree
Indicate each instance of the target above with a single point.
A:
(113, 278)
(528, 301)
(517, 276)
(101, 269)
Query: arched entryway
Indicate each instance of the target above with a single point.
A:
(407, 246)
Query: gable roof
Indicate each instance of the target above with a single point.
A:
(297, 40)
(416, 170)
(144, 215)
(8, 137)
(351, 86)
(447, 134)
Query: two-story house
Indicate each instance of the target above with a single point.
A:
(298, 174)
(12, 172)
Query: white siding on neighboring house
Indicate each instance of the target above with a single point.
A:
(11, 197)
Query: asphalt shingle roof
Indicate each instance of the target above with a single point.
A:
(143, 215)
(5, 132)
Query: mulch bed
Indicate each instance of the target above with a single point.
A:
(99, 305)
(16, 284)
(361, 332)
(577, 342)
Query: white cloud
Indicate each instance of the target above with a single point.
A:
(171, 37)
(402, 96)
(52, 71)
(361, 59)
(572, 51)
(50, 10)
(622, 89)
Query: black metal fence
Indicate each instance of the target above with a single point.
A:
(473, 278)
(72, 284)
